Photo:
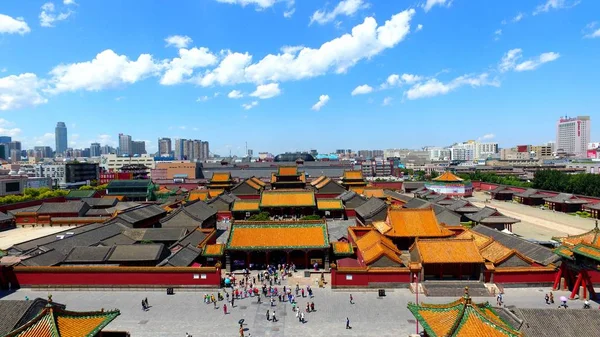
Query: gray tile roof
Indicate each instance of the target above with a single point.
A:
(132, 253)
(129, 183)
(75, 206)
(155, 234)
(448, 217)
(412, 184)
(184, 257)
(226, 197)
(193, 238)
(339, 229)
(346, 196)
(397, 195)
(531, 193)
(482, 214)
(32, 244)
(14, 314)
(118, 239)
(24, 209)
(88, 254)
(199, 210)
(556, 322)
(142, 213)
(45, 259)
(566, 198)
(100, 212)
(539, 254)
(100, 202)
(6, 217)
(370, 208)
(88, 238)
(417, 203)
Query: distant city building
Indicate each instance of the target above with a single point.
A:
(42, 151)
(164, 147)
(340, 151)
(107, 149)
(124, 144)
(439, 153)
(138, 147)
(573, 135)
(112, 162)
(56, 172)
(179, 149)
(15, 156)
(378, 153)
(485, 150)
(5, 139)
(463, 151)
(365, 154)
(4, 151)
(95, 150)
(377, 168)
(60, 137)
(185, 170)
(205, 151)
(81, 172)
(265, 156)
(314, 152)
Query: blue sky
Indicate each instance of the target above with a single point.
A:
(287, 75)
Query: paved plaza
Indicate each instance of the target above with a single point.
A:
(174, 315)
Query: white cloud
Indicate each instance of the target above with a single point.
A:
(3, 70)
(10, 25)
(434, 87)
(487, 136)
(202, 99)
(362, 89)
(184, 65)
(338, 55)
(345, 7)
(69, 2)
(419, 27)
(119, 98)
(235, 94)
(497, 34)
(510, 60)
(179, 41)
(291, 49)
(323, 99)
(590, 31)
(260, 4)
(19, 91)
(288, 14)
(387, 101)
(265, 91)
(48, 16)
(397, 80)
(250, 105)
(518, 17)
(555, 4)
(430, 3)
(7, 128)
(106, 70)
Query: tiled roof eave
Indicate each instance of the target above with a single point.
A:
(275, 247)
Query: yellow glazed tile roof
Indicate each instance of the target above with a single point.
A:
(322, 183)
(357, 189)
(480, 239)
(448, 251)
(591, 237)
(373, 245)
(278, 235)
(448, 176)
(198, 195)
(330, 204)
(258, 181)
(287, 171)
(276, 198)
(413, 222)
(242, 205)
(318, 180)
(221, 177)
(373, 192)
(353, 175)
(213, 250)
(215, 192)
(253, 184)
(342, 248)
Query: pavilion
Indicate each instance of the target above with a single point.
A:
(220, 181)
(256, 243)
(288, 177)
(461, 318)
(565, 202)
(447, 259)
(288, 203)
(327, 186)
(594, 210)
(531, 197)
(491, 217)
(450, 184)
(404, 225)
(353, 178)
(249, 188)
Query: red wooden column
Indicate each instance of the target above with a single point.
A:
(577, 284)
(559, 274)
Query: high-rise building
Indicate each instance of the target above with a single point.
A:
(14, 145)
(180, 149)
(138, 147)
(60, 137)
(107, 149)
(573, 135)
(463, 151)
(15, 156)
(95, 150)
(197, 147)
(164, 147)
(125, 144)
(5, 139)
(205, 151)
(484, 150)
(250, 153)
(44, 151)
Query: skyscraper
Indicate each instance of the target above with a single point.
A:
(179, 149)
(138, 147)
(60, 136)
(205, 152)
(5, 139)
(164, 147)
(95, 150)
(573, 135)
(125, 145)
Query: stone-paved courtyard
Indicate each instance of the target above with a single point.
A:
(174, 315)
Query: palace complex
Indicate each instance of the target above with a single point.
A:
(365, 234)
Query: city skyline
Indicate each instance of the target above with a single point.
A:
(422, 73)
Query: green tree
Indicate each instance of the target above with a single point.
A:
(262, 216)
(311, 217)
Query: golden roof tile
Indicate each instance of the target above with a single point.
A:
(278, 198)
(221, 177)
(353, 175)
(330, 204)
(447, 251)
(372, 246)
(414, 222)
(342, 248)
(448, 176)
(373, 192)
(245, 205)
(278, 235)
(287, 171)
(318, 180)
(480, 239)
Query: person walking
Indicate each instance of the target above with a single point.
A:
(274, 318)
(232, 301)
(144, 306)
(298, 315)
(499, 299)
(302, 317)
(224, 309)
(551, 298)
(312, 306)
(146, 300)
(351, 299)
(348, 323)
(215, 304)
(547, 298)
(268, 315)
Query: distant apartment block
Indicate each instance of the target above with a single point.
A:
(573, 135)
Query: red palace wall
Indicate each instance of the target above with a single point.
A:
(350, 213)
(326, 196)
(116, 276)
(249, 197)
(525, 277)
(390, 185)
(363, 279)
(224, 215)
(479, 185)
